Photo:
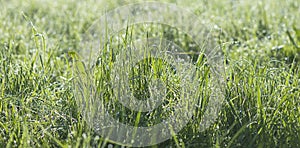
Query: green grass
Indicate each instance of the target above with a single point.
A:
(39, 46)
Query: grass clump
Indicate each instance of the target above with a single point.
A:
(40, 43)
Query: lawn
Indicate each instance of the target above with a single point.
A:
(55, 81)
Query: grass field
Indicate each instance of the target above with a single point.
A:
(40, 42)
